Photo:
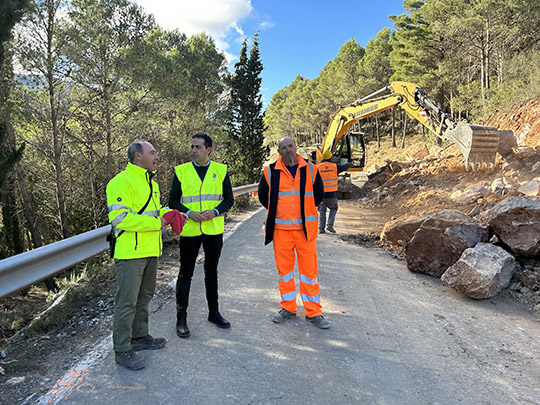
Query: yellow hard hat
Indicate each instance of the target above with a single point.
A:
(326, 155)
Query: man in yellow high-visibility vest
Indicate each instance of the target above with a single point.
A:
(201, 189)
(136, 215)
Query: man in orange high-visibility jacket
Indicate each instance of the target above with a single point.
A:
(290, 189)
(329, 172)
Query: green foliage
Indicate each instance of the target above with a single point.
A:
(110, 76)
(522, 82)
(245, 149)
(11, 11)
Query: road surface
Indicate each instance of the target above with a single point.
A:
(396, 338)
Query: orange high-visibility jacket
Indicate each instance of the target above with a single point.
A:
(329, 176)
(291, 202)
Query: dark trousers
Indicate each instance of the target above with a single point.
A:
(189, 249)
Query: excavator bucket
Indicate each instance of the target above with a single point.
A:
(479, 144)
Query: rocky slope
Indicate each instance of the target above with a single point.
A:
(418, 180)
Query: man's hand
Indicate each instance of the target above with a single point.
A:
(196, 216)
(208, 214)
(201, 216)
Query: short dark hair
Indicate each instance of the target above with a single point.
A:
(136, 146)
(207, 140)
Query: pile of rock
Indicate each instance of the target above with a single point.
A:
(477, 256)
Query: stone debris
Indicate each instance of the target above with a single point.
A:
(530, 188)
(481, 272)
(470, 195)
(516, 222)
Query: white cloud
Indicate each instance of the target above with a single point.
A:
(218, 18)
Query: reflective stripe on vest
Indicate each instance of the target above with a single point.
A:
(296, 192)
(203, 195)
(329, 176)
(199, 198)
(295, 221)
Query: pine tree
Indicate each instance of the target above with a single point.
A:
(10, 13)
(244, 125)
(11, 240)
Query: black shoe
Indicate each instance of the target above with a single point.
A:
(147, 342)
(182, 329)
(218, 320)
(129, 360)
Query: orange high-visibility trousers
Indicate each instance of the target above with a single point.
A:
(285, 244)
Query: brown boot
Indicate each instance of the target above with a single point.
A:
(147, 342)
(130, 360)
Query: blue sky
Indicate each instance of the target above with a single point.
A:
(295, 36)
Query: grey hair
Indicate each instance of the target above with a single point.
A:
(136, 146)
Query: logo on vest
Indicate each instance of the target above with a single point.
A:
(214, 177)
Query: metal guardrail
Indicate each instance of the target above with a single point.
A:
(25, 269)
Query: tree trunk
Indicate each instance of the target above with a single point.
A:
(378, 132)
(488, 55)
(57, 147)
(393, 128)
(404, 130)
(108, 131)
(28, 206)
(10, 219)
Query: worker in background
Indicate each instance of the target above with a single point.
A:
(137, 219)
(202, 189)
(329, 172)
(290, 189)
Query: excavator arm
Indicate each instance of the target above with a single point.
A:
(478, 144)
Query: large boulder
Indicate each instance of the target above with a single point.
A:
(441, 239)
(516, 222)
(507, 141)
(481, 272)
(400, 231)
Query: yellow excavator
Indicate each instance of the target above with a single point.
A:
(478, 144)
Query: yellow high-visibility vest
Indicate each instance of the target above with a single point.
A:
(127, 192)
(200, 195)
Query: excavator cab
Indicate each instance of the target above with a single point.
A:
(351, 148)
